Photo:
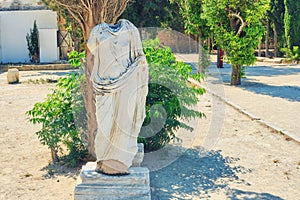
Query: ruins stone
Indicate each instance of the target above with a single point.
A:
(13, 76)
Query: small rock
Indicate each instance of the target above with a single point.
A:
(275, 161)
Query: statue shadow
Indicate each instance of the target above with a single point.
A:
(199, 173)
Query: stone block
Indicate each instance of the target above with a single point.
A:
(96, 186)
(13, 76)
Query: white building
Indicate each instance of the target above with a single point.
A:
(16, 24)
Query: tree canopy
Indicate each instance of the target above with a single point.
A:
(88, 13)
(191, 11)
(237, 29)
(157, 13)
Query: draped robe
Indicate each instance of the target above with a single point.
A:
(120, 82)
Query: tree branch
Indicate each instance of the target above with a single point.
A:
(120, 10)
(84, 5)
(78, 17)
(241, 20)
(63, 4)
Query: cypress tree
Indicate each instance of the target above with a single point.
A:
(292, 23)
(33, 44)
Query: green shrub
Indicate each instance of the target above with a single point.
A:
(169, 99)
(58, 114)
(292, 55)
(75, 58)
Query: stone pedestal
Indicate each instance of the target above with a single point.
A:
(95, 186)
(13, 76)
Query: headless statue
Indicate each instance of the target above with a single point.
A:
(120, 82)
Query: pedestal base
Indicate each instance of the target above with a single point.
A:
(95, 186)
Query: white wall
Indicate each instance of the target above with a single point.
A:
(48, 48)
(14, 27)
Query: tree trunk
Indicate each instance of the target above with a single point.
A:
(177, 46)
(90, 105)
(75, 37)
(212, 41)
(267, 39)
(220, 58)
(259, 49)
(236, 74)
(54, 155)
(275, 42)
(208, 44)
(90, 100)
(200, 59)
(190, 47)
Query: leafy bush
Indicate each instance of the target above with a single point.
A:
(169, 99)
(292, 55)
(57, 114)
(75, 58)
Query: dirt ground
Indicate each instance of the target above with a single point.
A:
(228, 156)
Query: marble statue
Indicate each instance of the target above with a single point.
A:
(120, 82)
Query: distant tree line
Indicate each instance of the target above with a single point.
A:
(283, 18)
(282, 21)
(256, 24)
